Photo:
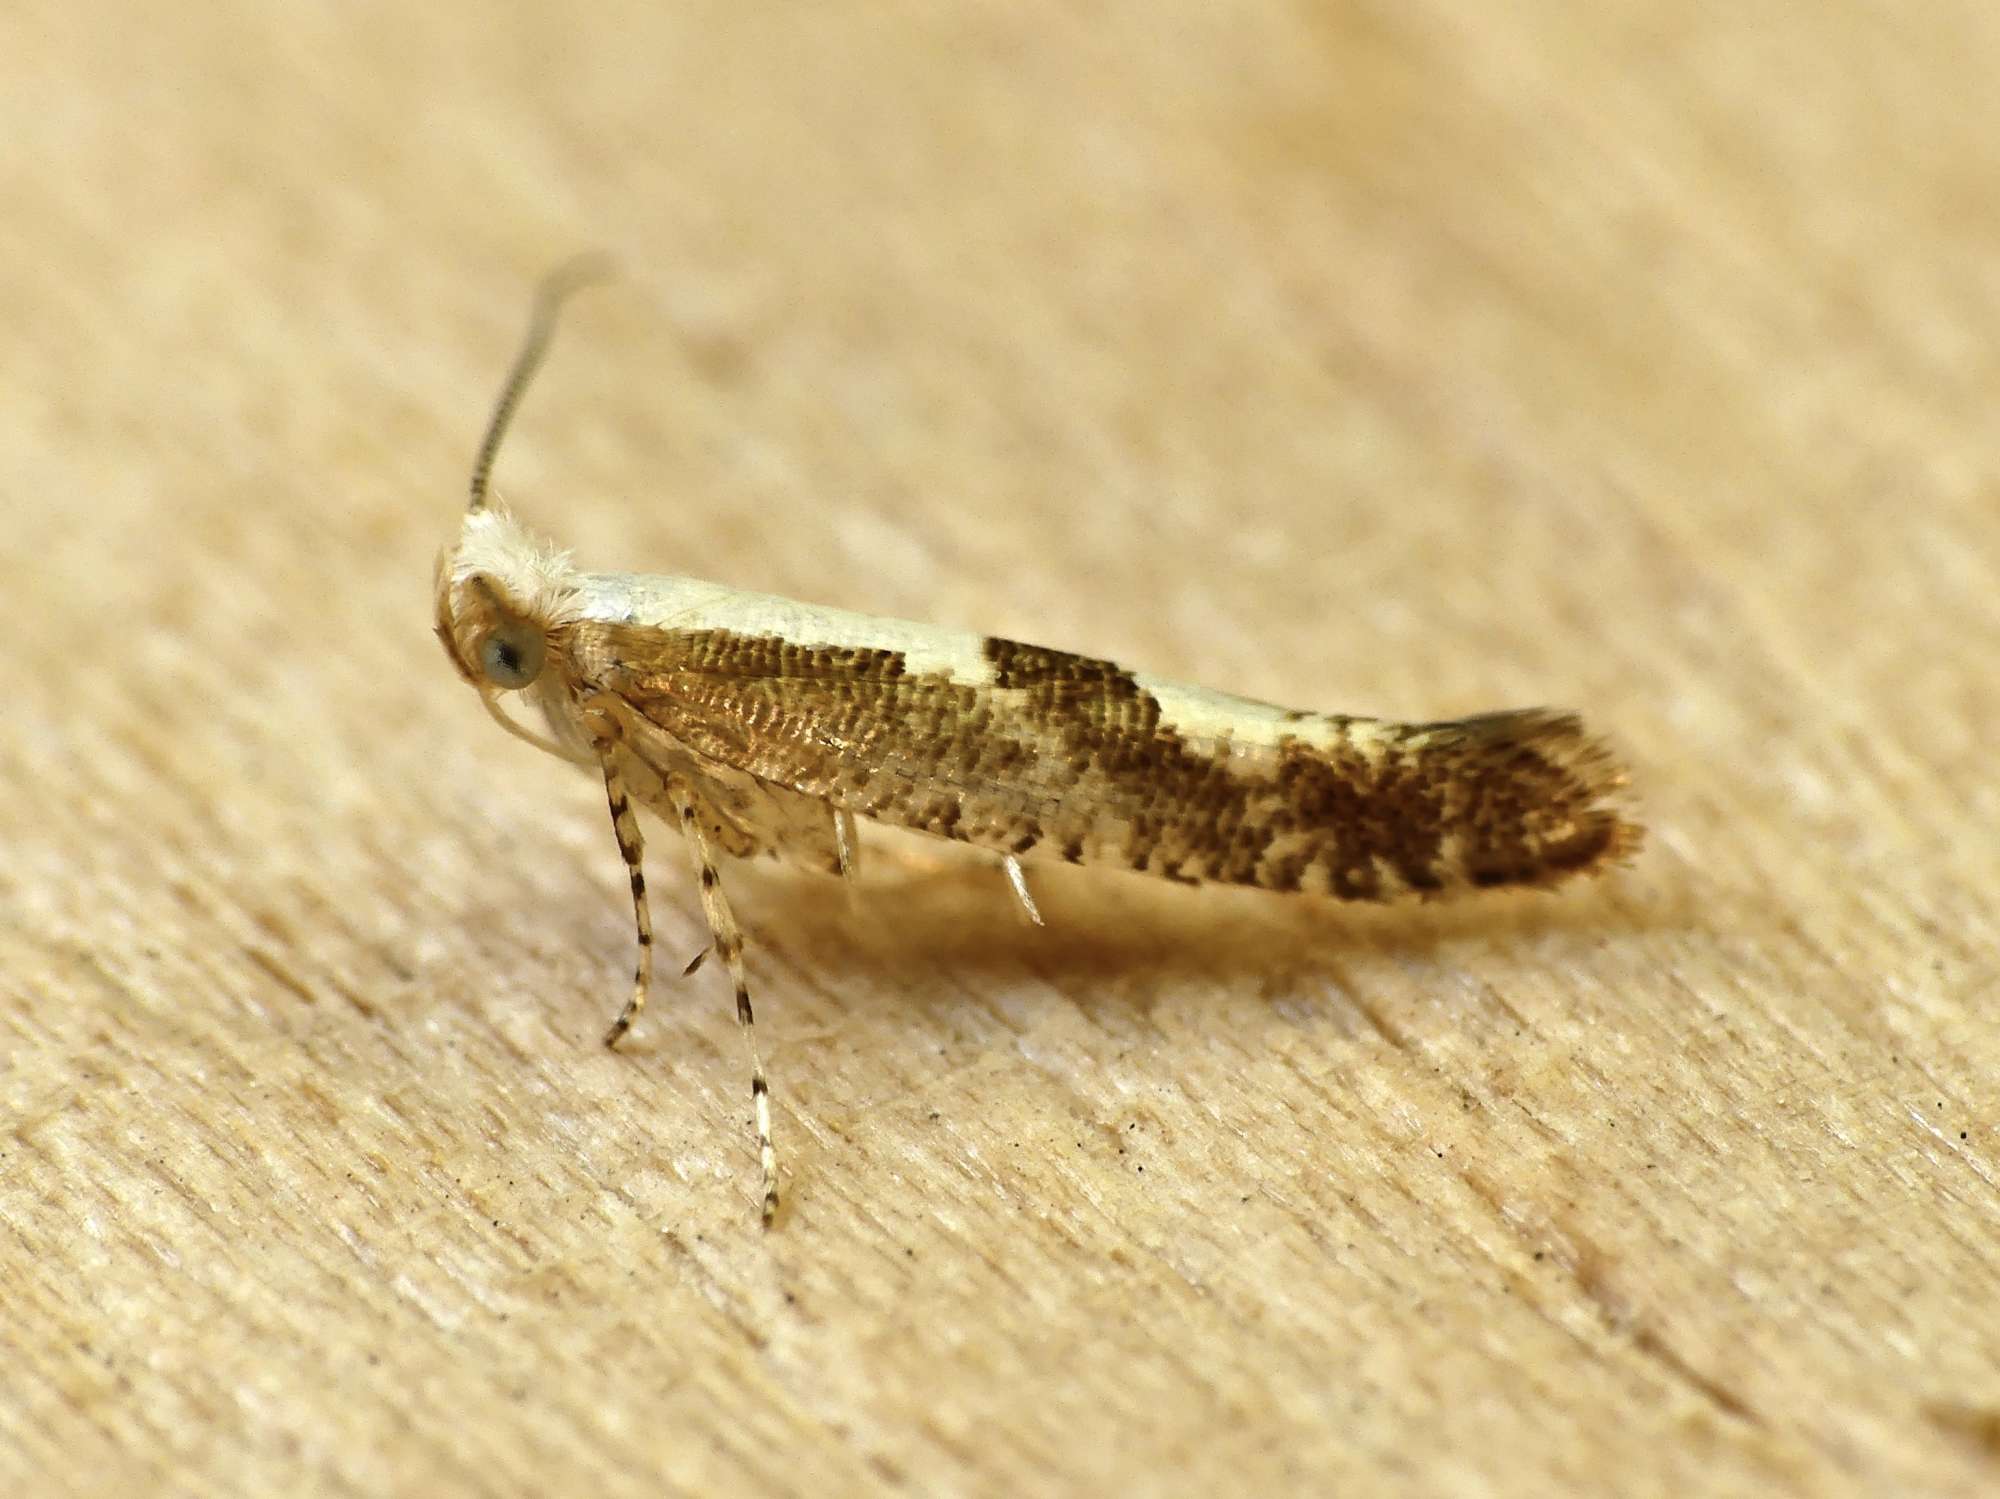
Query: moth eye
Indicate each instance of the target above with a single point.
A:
(512, 655)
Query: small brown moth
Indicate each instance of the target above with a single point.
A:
(758, 725)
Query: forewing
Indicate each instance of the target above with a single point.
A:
(1030, 750)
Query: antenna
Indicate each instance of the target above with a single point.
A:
(555, 289)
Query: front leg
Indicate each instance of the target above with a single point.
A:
(632, 848)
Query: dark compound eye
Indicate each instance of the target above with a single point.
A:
(512, 656)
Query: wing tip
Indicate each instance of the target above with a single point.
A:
(1576, 814)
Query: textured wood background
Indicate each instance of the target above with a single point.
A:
(1409, 358)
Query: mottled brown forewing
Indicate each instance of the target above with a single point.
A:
(1069, 756)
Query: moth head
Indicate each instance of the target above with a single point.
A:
(500, 594)
(501, 591)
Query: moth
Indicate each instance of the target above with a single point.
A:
(758, 725)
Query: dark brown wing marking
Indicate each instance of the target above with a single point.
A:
(1071, 757)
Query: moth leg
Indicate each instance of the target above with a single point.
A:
(728, 945)
(625, 824)
(846, 844)
(1018, 878)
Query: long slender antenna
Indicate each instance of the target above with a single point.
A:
(571, 276)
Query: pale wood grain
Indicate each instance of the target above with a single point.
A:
(1413, 359)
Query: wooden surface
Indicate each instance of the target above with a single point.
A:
(1410, 359)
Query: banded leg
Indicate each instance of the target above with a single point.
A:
(728, 946)
(625, 825)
